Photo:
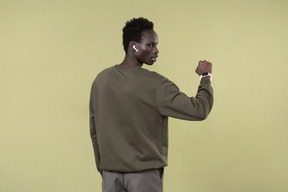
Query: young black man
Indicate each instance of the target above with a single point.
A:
(129, 110)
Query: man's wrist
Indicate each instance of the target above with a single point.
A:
(206, 75)
(206, 78)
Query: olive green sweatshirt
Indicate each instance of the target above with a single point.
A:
(129, 110)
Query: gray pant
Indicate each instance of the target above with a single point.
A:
(145, 181)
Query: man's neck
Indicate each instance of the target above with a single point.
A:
(130, 61)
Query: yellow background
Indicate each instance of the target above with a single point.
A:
(51, 51)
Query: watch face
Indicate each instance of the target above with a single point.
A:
(204, 74)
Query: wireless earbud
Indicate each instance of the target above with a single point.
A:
(135, 48)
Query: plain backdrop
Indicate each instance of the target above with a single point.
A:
(51, 51)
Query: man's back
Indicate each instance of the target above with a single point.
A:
(128, 123)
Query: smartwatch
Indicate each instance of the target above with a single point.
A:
(206, 74)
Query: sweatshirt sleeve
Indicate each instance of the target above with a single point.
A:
(93, 132)
(171, 102)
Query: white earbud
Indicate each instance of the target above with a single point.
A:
(135, 48)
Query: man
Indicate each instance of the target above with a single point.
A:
(129, 109)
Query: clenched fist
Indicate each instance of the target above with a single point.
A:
(204, 66)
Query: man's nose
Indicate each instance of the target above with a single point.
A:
(156, 50)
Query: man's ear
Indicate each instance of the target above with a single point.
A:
(133, 46)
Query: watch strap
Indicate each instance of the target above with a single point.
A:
(206, 74)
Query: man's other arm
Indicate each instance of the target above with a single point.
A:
(93, 132)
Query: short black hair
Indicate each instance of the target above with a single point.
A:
(133, 30)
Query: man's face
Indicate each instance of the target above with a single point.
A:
(147, 48)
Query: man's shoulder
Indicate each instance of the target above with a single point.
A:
(104, 72)
(153, 74)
